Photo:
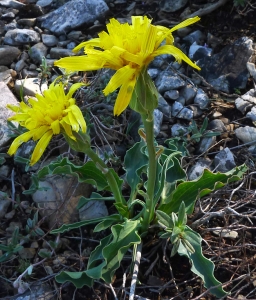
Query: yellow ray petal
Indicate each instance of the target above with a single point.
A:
(93, 42)
(40, 131)
(67, 129)
(122, 76)
(177, 53)
(23, 138)
(185, 23)
(40, 147)
(124, 96)
(81, 63)
(78, 116)
(73, 88)
(55, 126)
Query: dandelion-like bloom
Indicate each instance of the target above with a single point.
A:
(45, 116)
(128, 49)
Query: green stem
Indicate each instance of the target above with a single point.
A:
(120, 201)
(148, 122)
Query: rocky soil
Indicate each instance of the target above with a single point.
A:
(221, 97)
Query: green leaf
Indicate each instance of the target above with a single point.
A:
(124, 236)
(164, 219)
(108, 222)
(168, 171)
(201, 265)
(79, 279)
(135, 163)
(44, 253)
(88, 173)
(94, 196)
(190, 191)
(182, 216)
(204, 125)
(67, 227)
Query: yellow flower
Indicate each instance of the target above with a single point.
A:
(45, 116)
(127, 49)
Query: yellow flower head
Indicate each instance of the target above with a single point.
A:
(127, 49)
(45, 116)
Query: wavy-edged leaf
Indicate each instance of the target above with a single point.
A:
(88, 173)
(79, 279)
(107, 223)
(190, 191)
(67, 227)
(135, 163)
(201, 265)
(94, 196)
(124, 236)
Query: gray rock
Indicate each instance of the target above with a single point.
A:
(176, 108)
(10, 26)
(186, 114)
(37, 52)
(20, 65)
(159, 62)
(168, 80)
(73, 14)
(201, 99)
(197, 52)
(197, 170)
(251, 69)
(158, 120)
(181, 100)
(164, 107)
(7, 97)
(44, 3)
(179, 111)
(8, 54)
(178, 130)
(246, 134)
(224, 161)
(60, 52)
(171, 95)
(217, 125)
(30, 86)
(197, 37)
(58, 203)
(49, 40)
(172, 5)
(206, 143)
(9, 15)
(197, 112)
(153, 72)
(71, 45)
(252, 114)
(93, 209)
(230, 63)
(18, 37)
(74, 35)
(29, 73)
(189, 93)
(245, 102)
(226, 233)
(6, 76)
(27, 22)
(11, 3)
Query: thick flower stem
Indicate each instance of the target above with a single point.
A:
(119, 200)
(148, 122)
